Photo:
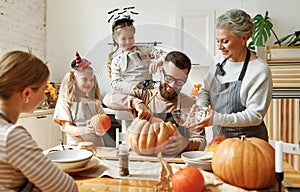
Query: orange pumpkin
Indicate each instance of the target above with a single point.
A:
(145, 137)
(215, 143)
(101, 122)
(247, 162)
(189, 179)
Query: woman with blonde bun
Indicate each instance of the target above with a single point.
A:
(23, 166)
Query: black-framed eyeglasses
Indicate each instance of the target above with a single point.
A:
(170, 79)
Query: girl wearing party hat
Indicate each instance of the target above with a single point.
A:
(78, 101)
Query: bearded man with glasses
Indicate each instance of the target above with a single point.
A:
(160, 101)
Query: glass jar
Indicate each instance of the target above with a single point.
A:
(123, 155)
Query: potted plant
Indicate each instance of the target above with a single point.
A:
(263, 29)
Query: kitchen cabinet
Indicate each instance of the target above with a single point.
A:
(41, 127)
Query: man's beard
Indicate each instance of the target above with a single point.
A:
(165, 94)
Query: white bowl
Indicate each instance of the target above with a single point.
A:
(70, 159)
(191, 159)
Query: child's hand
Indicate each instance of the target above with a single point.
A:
(155, 66)
(89, 123)
(90, 126)
(100, 123)
(100, 133)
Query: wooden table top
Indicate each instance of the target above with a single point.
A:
(87, 184)
(108, 185)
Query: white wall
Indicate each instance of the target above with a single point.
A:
(22, 26)
(81, 25)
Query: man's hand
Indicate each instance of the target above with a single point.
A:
(143, 111)
(176, 144)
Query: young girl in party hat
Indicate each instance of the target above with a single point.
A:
(78, 102)
(135, 63)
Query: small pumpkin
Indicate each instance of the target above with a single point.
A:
(188, 179)
(149, 137)
(245, 162)
(213, 146)
(101, 122)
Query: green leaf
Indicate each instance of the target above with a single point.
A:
(281, 40)
(262, 29)
(251, 46)
(294, 42)
(297, 33)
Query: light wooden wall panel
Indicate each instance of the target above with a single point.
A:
(283, 123)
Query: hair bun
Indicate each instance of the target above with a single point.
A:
(122, 22)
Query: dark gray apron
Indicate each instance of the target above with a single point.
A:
(225, 98)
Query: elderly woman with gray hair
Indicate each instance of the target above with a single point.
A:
(238, 86)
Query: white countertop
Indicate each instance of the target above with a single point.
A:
(38, 112)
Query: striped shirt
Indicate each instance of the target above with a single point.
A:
(21, 160)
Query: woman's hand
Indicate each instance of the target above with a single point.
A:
(208, 120)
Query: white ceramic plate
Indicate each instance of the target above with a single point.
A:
(70, 159)
(191, 158)
(197, 155)
(69, 156)
(94, 161)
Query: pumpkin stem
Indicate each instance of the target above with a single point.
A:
(243, 137)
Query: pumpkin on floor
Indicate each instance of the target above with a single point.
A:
(101, 122)
(189, 179)
(245, 162)
(145, 137)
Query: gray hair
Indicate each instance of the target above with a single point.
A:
(237, 21)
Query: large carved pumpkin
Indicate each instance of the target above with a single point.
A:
(145, 137)
(245, 162)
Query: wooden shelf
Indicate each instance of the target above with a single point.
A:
(282, 54)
